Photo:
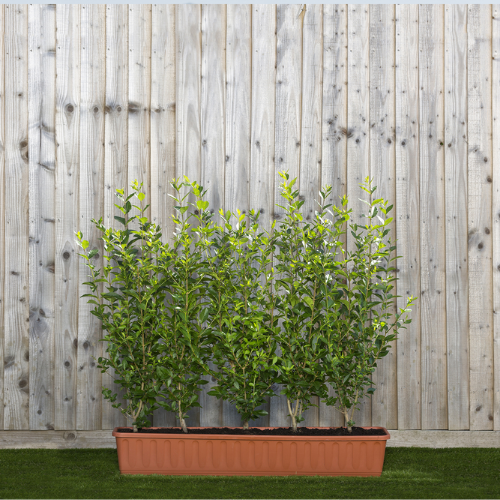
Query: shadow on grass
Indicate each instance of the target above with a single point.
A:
(408, 473)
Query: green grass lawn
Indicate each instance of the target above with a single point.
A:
(408, 473)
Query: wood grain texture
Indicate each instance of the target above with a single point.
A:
(162, 116)
(289, 25)
(383, 173)
(262, 141)
(188, 104)
(2, 205)
(479, 217)
(408, 214)
(213, 103)
(432, 216)
(334, 129)
(457, 293)
(311, 113)
(115, 156)
(67, 196)
(139, 106)
(89, 399)
(42, 164)
(188, 83)
(495, 99)
(16, 285)
(163, 134)
(358, 133)
(229, 95)
(73, 439)
(288, 119)
(238, 108)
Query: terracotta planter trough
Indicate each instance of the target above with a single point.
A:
(241, 455)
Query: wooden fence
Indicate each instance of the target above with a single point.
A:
(95, 96)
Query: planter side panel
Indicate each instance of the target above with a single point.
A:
(263, 457)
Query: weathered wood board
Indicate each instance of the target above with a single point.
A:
(408, 214)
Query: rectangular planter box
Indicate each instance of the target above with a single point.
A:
(225, 455)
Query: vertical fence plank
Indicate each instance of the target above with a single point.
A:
(42, 164)
(408, 214)
(432, 212)
(213, 95)
(162, 116)
(479, 217)
(496, 208)
(289, 24)
(188, 103)
(16, 307)
(358, 133)
(334, 130)
(457, 313)
(238, 103)
(115, 155)
(383, 173)
(188, 72)
(213, 68)
(139, 73)
(67, 195)
(163, 135)
(262, 143)
(2, 207)
(310, 152)
(93, 19)
(238, 109)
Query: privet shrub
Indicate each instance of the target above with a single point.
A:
(182, 329)
(306, 281)
(129, 304)
(209, 302)
(242, 315)
(361, 317)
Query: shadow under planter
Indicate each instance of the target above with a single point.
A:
(250, 455)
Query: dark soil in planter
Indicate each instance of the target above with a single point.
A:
(280, 431)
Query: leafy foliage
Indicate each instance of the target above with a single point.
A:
(128, 296)
(361, 320)
(211, 303)
(242, 313)
(183, 357)
(305, 283)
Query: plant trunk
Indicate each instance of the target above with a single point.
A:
(245, 425)
(135, 428)
(294, 423)
(347, 420)
(183, 425)
(181, 419)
